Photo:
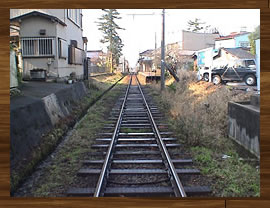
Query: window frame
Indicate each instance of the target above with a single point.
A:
(75, 16)
(244, 44)
(31, 47)
(60, 55)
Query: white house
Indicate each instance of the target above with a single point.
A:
(233, 57)
(233, 40)
(146, 59)
(51, 39)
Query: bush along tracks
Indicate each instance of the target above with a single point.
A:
(197, 113)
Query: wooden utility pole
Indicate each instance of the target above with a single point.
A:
(111, 63)
(155, 60)
(163, 51)
(124, 65)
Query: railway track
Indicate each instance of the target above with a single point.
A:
(133, 154)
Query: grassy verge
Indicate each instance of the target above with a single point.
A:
(230, 177)
(61, 173)
(197, 113)
(52, 139)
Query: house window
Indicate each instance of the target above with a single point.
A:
(244, 44)
(76, 55)
(38, 46)
(75, 16)
(62, 48)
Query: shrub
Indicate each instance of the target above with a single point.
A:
(199, 110)
(198, 116)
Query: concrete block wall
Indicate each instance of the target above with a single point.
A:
(28, 123)
(244, 125)
(97, 69)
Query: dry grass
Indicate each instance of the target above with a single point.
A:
(197, 113)
(102, 82)
(199, 109)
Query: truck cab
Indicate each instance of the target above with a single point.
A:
(243, 70)
(236, 70)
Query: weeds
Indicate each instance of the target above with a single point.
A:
(197, 113)
(231, 177)
(198, 107)
(67, 160)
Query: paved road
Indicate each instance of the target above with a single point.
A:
(241, 86)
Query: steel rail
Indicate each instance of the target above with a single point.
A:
(177, 185)
(107, 162)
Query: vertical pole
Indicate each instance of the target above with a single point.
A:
(111, 64)
(211, 67)
(124, 65)
(155, 61)
(257, 44)
(163, 51)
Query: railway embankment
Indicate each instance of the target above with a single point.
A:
(42, 115)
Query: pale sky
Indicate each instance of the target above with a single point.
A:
(140, 29)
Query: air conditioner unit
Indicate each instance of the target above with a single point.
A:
(42, 32)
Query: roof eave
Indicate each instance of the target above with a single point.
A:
(35, 13)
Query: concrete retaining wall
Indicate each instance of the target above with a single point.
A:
(97, 69)
(244, 126)
(28, 123)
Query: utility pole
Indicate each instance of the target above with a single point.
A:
(155, 60)
(124, 65)
(111, 63)
(163, 51)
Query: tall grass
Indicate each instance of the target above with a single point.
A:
(199, 110)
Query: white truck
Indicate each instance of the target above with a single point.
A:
(206, 63)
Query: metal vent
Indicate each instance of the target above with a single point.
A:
(42, 32)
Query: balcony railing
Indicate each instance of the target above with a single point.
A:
(76, 55)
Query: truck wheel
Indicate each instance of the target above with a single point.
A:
(206, 77)
(216, 79)
(250, 80)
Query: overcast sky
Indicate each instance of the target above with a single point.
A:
(142, 24)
